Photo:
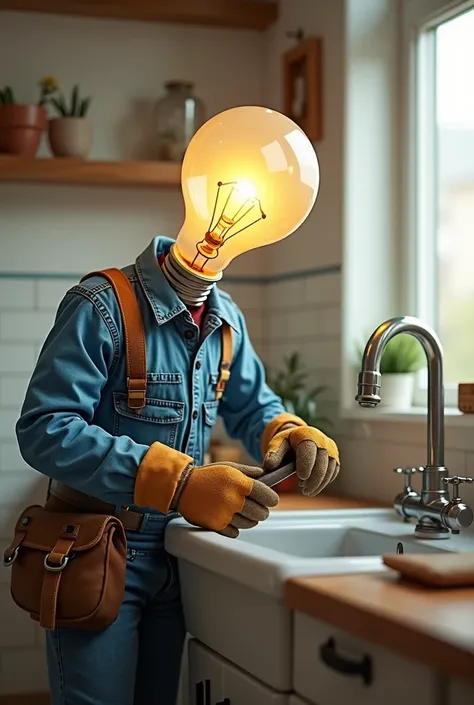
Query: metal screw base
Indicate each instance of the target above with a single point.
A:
(192, 289)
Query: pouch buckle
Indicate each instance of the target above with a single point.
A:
(56, 568)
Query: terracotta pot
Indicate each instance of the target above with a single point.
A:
(21, 127)
(70, 137)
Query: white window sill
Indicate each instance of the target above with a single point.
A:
(452, 416)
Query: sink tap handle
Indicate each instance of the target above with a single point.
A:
(407, 473)
(455, 482)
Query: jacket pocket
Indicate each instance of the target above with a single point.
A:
(159, 420)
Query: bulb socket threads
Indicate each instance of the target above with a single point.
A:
(192, 289)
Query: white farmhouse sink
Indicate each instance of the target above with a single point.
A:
(232, 589)
(329, 541)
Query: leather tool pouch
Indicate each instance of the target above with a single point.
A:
(68, 568)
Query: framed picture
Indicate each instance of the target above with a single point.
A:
(302, 86)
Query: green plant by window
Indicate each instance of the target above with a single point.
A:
(291, 384)
(78, 107)
(403, 354)
(48, 86)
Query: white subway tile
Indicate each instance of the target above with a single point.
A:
(300, 324)
(13, 390)
(26, 487)
(8, 419)
(24, 671)
(8, 517)
(10, 457)
(367, 464)
(278, 323)
(16, 294)
(329, 321)
(16, 358)
(326, 354)
(248, 296)
(17, 627)
(25, 325)
(52, 291)
(285, 294)
(323, 289)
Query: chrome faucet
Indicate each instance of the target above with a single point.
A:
(436, 512)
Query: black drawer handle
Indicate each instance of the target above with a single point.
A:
(332, 659)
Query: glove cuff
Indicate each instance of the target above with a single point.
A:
(276, 425)
(158, 477)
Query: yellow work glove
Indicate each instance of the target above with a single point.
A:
(223, 497)
(316, 455)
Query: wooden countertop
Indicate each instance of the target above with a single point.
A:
(432, 626)
(292, 501)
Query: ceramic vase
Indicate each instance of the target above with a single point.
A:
(397, 390)
(21, 127)
(70, 137)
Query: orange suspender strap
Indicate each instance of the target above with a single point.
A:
(226, 359)
(134, 333)
(135, 344)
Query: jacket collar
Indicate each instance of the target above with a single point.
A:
(163, 299)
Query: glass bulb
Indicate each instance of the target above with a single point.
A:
(250, 177)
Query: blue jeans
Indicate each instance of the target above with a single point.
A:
(136, 661)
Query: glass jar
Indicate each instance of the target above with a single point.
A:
(179, 114)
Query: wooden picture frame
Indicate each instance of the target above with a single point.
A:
(302, 86)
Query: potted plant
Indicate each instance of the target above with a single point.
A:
(70, 134)
(402, 358)
(21, 126)
(291, 384)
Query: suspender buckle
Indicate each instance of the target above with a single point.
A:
(136, 393)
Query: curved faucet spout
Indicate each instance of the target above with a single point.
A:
(370, 378)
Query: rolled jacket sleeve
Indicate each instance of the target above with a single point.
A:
(248, 404)
(55, 431)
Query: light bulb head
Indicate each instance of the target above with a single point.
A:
(250, 177)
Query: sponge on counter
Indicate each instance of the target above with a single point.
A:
(441, 570)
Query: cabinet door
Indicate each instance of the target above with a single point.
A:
(215, 681)
(295, 700)
(331, 667)
(460, 693)
(205, 676)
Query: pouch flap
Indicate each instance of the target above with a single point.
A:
(42, 528)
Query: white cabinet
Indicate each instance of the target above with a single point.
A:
(245, 626)
(333, 668)
(460, 693)
(215, 681)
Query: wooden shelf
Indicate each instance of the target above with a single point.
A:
(240, 14)
(79, 171)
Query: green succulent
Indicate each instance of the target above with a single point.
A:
(7, 97)
(292, 386)
(77, 108)
(403, 354)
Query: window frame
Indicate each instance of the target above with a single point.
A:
(421, 19)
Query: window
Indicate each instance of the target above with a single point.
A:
(444, 192)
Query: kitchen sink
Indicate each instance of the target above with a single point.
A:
(232, 589)
(331, 541)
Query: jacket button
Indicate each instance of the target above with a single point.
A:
(198, 365)
(195, 415)
(188, 334)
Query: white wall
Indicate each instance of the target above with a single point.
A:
(303, 313)
(47, 232)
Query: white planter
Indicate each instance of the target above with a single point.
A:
(397, 390)
(70, 136)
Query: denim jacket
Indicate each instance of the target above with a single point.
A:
(75, 425)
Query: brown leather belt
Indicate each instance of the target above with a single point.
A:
(132, 521)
